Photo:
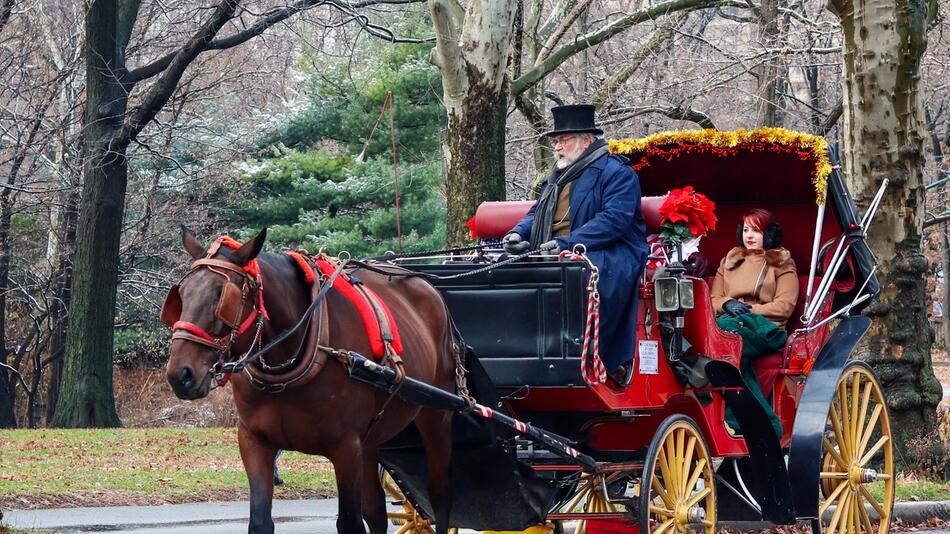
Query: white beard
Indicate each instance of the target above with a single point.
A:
(568, 159)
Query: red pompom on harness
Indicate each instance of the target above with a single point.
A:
(357, 298)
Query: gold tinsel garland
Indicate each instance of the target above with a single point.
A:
(816, 146)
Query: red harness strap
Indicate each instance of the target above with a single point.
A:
(364, 308)
(252, 269)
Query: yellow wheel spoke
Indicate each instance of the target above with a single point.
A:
(863, 514)
(667, 475)
(869, 429)
(833, 475)
(830, 449)
(847, 441)
(863, 411)
(691, 483)
(661, 511)
(853, 410)
(877, 446)
(663, 527)
(839, 434)
(687, 460)
(677, 460)
(832, 498)
(874, 504)
(839, 509)
(698, 497)
(581, 493)
(661, 491)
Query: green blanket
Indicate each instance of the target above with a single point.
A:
(759, 337)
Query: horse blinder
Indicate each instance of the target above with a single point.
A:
(231, 306)
(171, 309)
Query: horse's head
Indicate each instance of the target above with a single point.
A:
(213, 305)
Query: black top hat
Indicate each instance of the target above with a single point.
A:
(574, 118)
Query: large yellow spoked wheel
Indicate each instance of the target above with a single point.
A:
(677, 493)
(409, 520)
(858, 458)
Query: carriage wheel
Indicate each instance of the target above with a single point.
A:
(858, 452)
(590, 498)
(677, 493)
(409, 520)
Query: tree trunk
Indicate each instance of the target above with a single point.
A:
(883, 138)
(87, 398)
(769, 72)
(7, 378)
(472, 50)
(58, 317)
(475, 157)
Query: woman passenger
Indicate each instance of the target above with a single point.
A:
(755, 292)
(758, 276)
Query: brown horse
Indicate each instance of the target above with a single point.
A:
(324, 412)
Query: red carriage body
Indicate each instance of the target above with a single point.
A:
(661, 416)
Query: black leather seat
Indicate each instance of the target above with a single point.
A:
(525, 321)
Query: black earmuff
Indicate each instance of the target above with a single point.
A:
(772, 237)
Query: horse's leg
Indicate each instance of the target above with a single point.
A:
(374, 498)
(435, 426)
(258, 461)
(347, 461)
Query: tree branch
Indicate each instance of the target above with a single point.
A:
(6, 8)
(125, 21)
(679, 113)
(596, 37)
(660, 37)
(831, 119)
(943, 217)
(561, 29)
(447, 16)
(269, 19)
(158, 94)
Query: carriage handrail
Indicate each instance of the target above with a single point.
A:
(841, 251)
(844, 244)
(872, 209)
(819, 225)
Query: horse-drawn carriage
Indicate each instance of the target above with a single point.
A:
(544, 444)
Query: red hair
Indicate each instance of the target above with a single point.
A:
(758, 218)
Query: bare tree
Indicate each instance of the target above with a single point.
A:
(111, 124)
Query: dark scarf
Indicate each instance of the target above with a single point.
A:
(542, 230)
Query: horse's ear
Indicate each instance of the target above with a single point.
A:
(250, 250)
(192, 246)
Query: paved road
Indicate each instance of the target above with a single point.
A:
(291, 517)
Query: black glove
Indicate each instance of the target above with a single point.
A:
(550, 248)
(735, 308)
(514, 244)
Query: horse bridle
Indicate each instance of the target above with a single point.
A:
(229, 310)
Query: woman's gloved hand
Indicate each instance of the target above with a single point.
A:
(735, 308)
(514, 244)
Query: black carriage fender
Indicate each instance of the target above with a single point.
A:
(805, 455)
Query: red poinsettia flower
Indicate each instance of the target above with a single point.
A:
(686, 208)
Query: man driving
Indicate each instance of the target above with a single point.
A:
(592, 198)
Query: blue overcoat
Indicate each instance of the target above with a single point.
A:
(606, 218)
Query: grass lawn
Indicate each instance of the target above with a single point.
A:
(48, 468)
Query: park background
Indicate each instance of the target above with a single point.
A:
(121, 120)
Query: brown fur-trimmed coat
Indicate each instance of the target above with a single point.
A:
(764, 279)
